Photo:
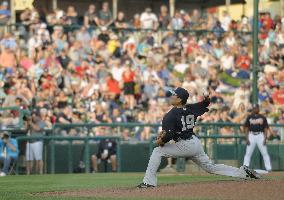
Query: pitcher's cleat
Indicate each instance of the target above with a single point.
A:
(144, 185)
(251, 173)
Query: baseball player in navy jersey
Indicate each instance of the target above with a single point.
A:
(256, 128)
(178, 125)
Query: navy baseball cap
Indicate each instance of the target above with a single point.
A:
(180, 93)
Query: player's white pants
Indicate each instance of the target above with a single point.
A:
(257, 140)
(187, 148)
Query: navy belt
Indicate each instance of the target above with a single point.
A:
(256, 133)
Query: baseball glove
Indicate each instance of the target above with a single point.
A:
(160, 137)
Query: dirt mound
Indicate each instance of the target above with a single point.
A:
(223, 190)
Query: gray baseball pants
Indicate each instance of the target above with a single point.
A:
(191, 149)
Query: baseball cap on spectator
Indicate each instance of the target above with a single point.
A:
(180, 93)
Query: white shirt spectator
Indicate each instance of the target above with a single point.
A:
(231, 41)
(148, 20)
(43, 33)
(129, 43)
(204, 60)
(33, 43)
(177, 23)
(190, 86)
(202, 84)
(225, 22)
(241, 96)
(117, 73)
(227, 62)
(150, 72)
(83, 36)
(181, 67)
(280, 38)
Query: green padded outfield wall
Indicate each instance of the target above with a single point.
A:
(134, 157)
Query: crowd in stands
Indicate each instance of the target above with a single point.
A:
(102, 70)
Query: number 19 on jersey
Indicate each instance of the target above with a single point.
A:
(187, 122)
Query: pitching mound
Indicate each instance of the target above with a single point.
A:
(223, 190)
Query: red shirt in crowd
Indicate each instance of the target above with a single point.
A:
(267, 23)
(192, 45)
(128, 76)
(243, 61)
(113, 86)
(278, 97)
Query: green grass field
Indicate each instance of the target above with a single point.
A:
(22, 187)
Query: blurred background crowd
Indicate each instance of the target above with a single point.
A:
(68, 68)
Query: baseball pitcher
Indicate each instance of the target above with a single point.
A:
(178, 125)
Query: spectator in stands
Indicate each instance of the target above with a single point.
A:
(5, 13)
(273, 135)
(120, 21)
(90, 17)
(148, 19)
(71, 15)
(177, 22)
(218, 30)
(65, 117)
(278, 95)
(225, 21)
(128, 77)
(164, 17)
(117, 116)
(263, 92)
(195, 18)
(8, 59)
(136, 22)
(105, 16)
(25, 17)
(241, 96)
(10, 99)
(239, 115)
(104, 36)
(84, 37)
(113, 86)
(227, 61)
(106, 153)
(244, 26)
(243, 61)
(8, 152)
